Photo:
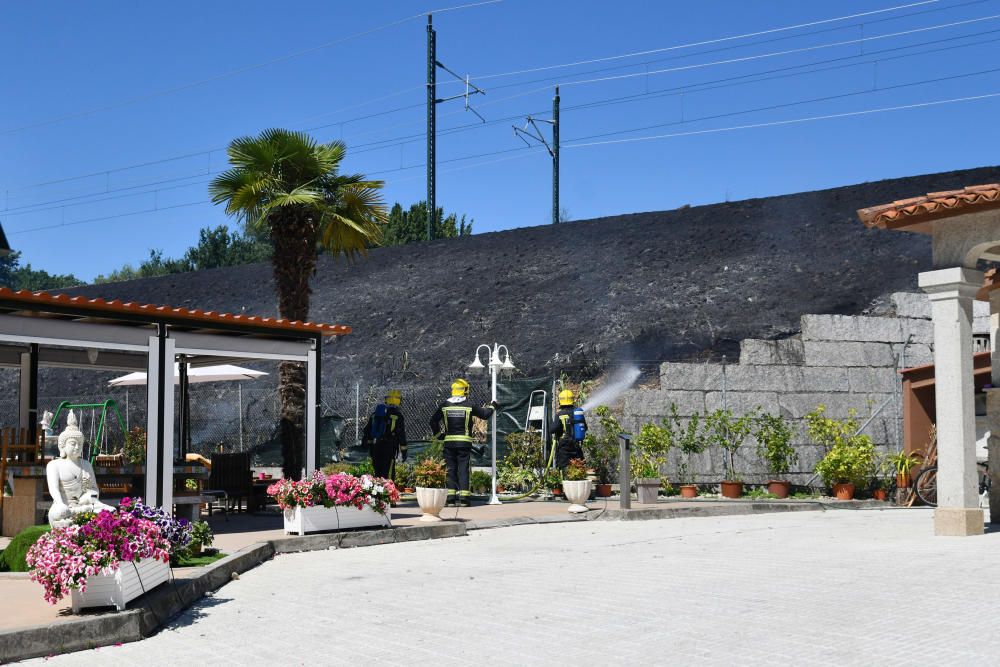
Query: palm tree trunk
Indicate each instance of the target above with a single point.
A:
(293, 235)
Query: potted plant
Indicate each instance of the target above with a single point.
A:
(576, 486)
(690, 442)
(649, 454)
(100, 559)
(601, 451)
(728, 432)
(333, 502)
(850, 458)
(553, 482)
(403, 478)
(430, 477)
(904, 463)
(774, 437)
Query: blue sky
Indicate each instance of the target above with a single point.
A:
(90, 88)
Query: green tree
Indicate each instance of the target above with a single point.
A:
(287, 184)
(410, 226)
(16, 277)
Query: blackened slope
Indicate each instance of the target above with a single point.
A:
(645, 286)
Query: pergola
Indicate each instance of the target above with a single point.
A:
(965, 230)
(39, 329)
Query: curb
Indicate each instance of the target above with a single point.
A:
(161, 605)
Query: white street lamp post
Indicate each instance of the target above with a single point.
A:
(495, 364)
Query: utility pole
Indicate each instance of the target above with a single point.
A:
(431, 127)
(553, 148)
(432, 102)
(555, 158)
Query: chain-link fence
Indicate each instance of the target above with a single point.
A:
(241, 416)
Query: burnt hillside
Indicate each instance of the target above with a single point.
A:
(645, 286)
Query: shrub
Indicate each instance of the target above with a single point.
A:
(404, 476)
(12, 559)
(848, 464)
(480, 481)
(651, 448)
(774, 437)
(601, 451)
(689, 439)
(524, 450)
(513, 478)
(729, 433)
(134, 447)
(576, 471)
(363, 468)
(334, 468)
(431, 474)
(830, 432)
(668, 489)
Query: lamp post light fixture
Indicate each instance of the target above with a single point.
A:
(495, 364)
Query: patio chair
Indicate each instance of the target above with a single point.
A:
(229, 481)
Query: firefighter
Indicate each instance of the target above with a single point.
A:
(385, 434)
(568, 430)
(453, 422)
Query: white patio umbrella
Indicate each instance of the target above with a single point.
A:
(220, 373)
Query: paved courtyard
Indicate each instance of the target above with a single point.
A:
(811, 588)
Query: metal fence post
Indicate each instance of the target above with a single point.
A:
(357, 413)
(624, 474)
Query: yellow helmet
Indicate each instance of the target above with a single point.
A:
(459, 387)
(394, 397)
(565, 397)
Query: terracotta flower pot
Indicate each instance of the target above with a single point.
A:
(903, 480)
(603, 490)
(880, 494)
(732, 489)
(779, 488)
(844, 491)
(689, 491)
(407, 489)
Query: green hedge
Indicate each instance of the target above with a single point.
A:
(12, 558)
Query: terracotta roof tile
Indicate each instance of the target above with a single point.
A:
(915, 212)
(97, 307)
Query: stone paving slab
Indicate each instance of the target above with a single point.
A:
(255, 538)
(802, 588)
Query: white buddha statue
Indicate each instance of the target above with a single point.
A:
(71, 480)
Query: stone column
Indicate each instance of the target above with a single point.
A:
(993, 408)
(952, 292)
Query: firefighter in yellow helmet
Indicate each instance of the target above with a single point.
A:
(453, 422)
(568, 430)
(385, 434)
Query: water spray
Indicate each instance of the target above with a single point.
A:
(616, 385)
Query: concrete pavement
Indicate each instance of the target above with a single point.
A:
(813, 588)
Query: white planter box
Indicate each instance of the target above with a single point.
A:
(302, 520)
(119, 588)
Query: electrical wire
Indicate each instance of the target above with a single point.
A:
(240, 70)
(522, 151)
(793, 121)
(423, 86)
(703, 42)
(775, 54)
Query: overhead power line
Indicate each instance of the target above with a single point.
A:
(234, 72)
(793, 121)
(522, 150)
(421, 87)
(873, 58)
(706, 42)
(786, 52)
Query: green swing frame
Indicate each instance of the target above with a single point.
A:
(104, 406)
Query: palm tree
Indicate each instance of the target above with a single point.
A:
(285, 186)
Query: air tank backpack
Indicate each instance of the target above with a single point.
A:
(379, 420)
(579, 425)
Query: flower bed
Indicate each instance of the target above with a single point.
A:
(314, 503)
(64, 559)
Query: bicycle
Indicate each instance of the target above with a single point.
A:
(925, 485)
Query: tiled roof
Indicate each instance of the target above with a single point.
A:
(913, 214)
(84, 307)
